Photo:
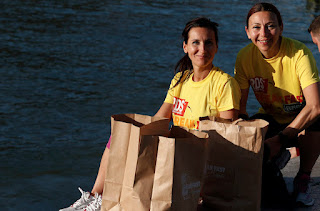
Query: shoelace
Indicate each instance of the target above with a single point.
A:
(80, 201)
(94, 205)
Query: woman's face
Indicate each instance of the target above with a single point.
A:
(264, 31)
(316, 39)
(201, 47)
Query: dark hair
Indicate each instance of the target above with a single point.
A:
(185, 63)
(259, 7)
(315, 25)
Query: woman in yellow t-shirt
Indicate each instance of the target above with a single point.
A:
(199, 89)
(283, 75)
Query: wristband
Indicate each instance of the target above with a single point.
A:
(286, 141)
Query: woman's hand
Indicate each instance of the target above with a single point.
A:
(230, 114)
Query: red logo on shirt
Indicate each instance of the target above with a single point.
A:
(259, 84)
(179, 106)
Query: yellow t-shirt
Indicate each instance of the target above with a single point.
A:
(192, 100)
(278, 82)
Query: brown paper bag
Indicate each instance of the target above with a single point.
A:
(234, 166)
(132, 156)
(179, 170)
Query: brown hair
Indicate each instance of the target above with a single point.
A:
(315, 25)
(259, 7)
(185, 63)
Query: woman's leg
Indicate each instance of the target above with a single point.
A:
(309, 146)
(99, 183)
(89, 199)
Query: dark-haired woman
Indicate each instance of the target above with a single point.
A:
(199, 89)
(283, 75)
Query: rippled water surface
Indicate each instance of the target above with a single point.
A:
(67, 66)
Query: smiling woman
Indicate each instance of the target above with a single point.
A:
(283, 75)
(199, 89)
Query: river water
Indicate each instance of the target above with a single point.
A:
(67, 66)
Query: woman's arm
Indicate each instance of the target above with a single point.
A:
(306, 117)
(165, 111)
(243, 101)
(230, 114)
(308, 114)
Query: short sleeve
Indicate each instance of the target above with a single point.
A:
(307, 69)
(239, 73)
(170, 94)
(174, 90)
(230, 96)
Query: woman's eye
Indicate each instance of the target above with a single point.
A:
(271, 26)
(209, 42)
(256, 27)
(195, 42)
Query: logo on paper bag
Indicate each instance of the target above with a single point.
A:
(216, 171)
(259, 84)
(179, 106)
(189, 188)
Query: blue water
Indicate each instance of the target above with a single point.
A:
(67, 66)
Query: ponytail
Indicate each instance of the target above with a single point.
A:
(183, 65)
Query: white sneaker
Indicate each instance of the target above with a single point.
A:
(95, 205)
(81, 203)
